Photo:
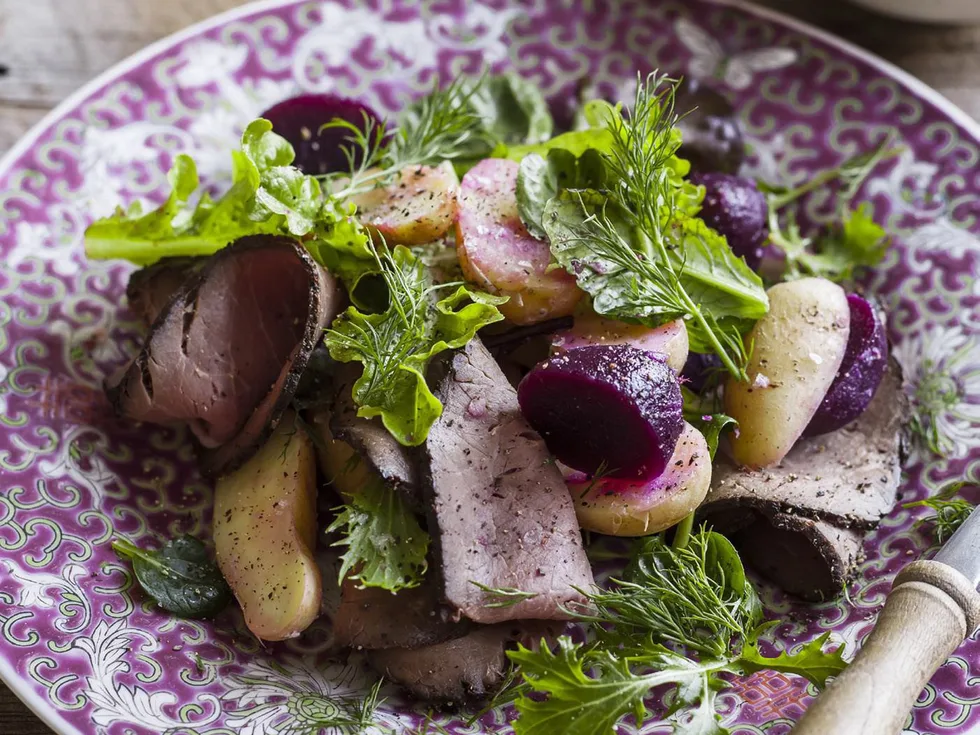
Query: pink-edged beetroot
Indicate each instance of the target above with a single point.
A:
(300, 119)
(641, 507)
(608, 408)
(860, 373)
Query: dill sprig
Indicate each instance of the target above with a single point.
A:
(441, 126)
(684, 596)
(647, 191)
(503, 596)
(951, 512)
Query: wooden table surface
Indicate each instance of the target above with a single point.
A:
(49, 48)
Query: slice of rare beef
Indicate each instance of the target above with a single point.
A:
(372, 618)
(150, 289)
(802, 522)
(371, 440)
(460, 670)
(848, 477)
(226, 354)
(499, 511)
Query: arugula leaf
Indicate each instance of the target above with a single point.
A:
(386, 546)
(180, 576)
(810, 661)
(540, 179)
(396, 346)
(513, 109)
(859, 241)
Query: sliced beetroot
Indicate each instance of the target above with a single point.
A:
(612, 408)
(735, 207)
(860, 373)
(299, 119)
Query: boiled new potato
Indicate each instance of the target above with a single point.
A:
(797, 349)
(628, 508)
(265, 531)
(340, 464)
(419, 206)
(668, 340)
(498, 254)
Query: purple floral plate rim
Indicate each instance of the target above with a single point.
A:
(8, 674)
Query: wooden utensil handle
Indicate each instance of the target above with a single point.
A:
(929, 612)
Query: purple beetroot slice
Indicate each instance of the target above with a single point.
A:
(612, 408)
(735, 207)
(299, 119)
(863, 367)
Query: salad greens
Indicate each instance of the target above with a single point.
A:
(180, 576)
(628, 230)
(855, 242)
(386, 546)
(396, 345)
(268, 196)
(678, 616)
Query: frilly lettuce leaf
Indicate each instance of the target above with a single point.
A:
(386, 546)
(396, 345)
(267, 196)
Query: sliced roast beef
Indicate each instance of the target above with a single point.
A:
(462, 669)
(227, 352)
(807, 558)
(150, 289)
(801, 523)
(372, 618)
(371, 440)
(848, 477)
(499, 511)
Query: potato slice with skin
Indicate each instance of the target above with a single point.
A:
(669, 340)
(497, 253)
(419, 206)
(797, 349)
(265, 532)
(628, 508)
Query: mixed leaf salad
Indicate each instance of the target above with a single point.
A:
(475, 333)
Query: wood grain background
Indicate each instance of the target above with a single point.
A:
(49, 48)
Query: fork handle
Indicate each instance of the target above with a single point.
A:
(929, 612)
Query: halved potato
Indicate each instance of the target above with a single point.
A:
(669, 340)
(797, 349)
(265, 532)
(497, 253)
(340, 464)
(418, 207)
(628, 508)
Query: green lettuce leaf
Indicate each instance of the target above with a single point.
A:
(267, 196)
(540, 178)
(513, 109)
(396, 345)
(386, 546)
